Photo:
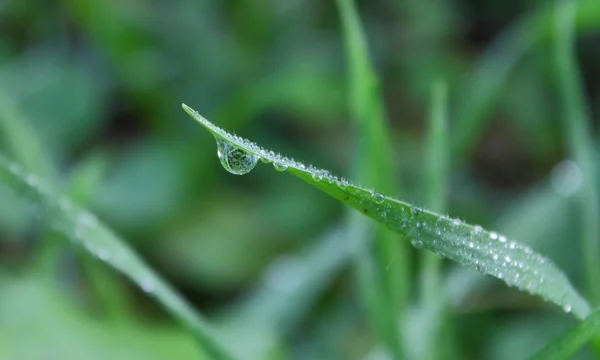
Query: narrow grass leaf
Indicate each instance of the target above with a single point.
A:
(580, 141)
(435, 180)
(499, 60)
(436, 177)
(485, 251)
(571, 341)
(20, 138)
(383, 271)
(85, 230)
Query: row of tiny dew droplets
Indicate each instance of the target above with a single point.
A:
(488, 252)
(280, 163)
(74, 223)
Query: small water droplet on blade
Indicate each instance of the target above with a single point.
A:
(235, 160)
(147, 285)
(417, 243)
(279, 166)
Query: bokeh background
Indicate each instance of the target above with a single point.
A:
(95, 88)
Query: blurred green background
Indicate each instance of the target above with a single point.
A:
(93, 90)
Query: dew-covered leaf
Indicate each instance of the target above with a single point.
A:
(485, 251)
(81, 227)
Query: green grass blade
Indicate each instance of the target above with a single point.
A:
(383, 271)
(499, 60)
(580, 141)
(85, 230)
(471, 246)
(435, 180)
(567, 344)
(310, 272)
(21, 139)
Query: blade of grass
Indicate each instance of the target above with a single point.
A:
(571, 341)
(436, 179)
(80, 187)
(281, 300)
(21, 139)
(580, 142)
(85, 230)
(383, 276)
(499, 60)
(485, 251)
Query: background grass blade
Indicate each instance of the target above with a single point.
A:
(436, 178)
(21, 139)
(84, 229)
(436, 182)
(566, 345)
(485, 251)
(500, 59)
(579, 136)
(383, 267)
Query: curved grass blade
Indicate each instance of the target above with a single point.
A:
(566, 345)
(85, 230)
(577, 126)
(471, 246)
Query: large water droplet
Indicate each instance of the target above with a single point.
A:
(280, 166)
(235, 160)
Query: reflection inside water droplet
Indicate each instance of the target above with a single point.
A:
(280, 166)
(235, 160)
(378, 198)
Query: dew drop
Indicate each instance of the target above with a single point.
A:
(567, 308)
(103, 254)
(417, 243)
(147, 285)
(235, 160)
(378, 198)
(32, 180)
(493, 235)
(279, 166)
(502, 238)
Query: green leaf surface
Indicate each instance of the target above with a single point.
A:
(485, 251)
(85, 230)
